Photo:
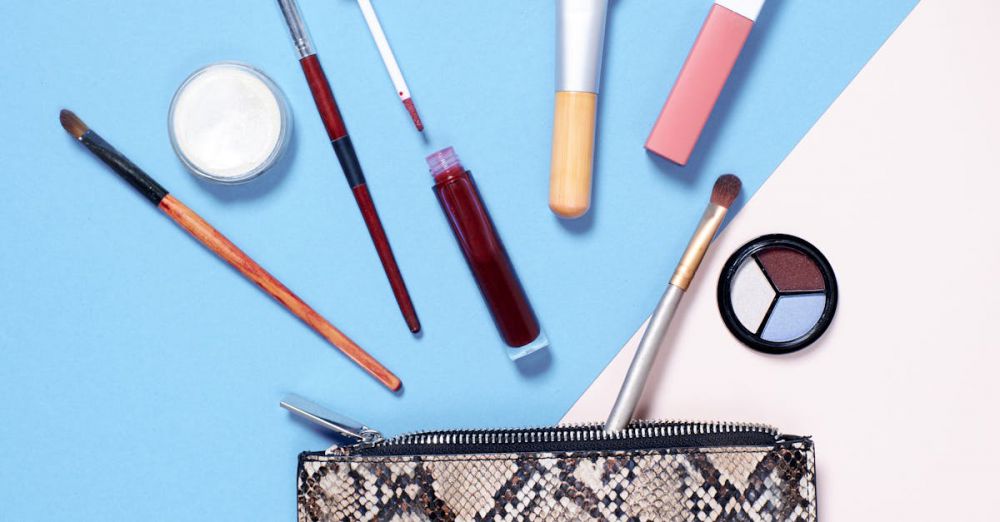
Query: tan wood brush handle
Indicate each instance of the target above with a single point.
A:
(216, 242)
(572, 153)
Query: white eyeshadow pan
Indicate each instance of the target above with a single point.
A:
(752, 295)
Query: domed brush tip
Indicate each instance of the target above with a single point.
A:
(726, 189)
(73, 124)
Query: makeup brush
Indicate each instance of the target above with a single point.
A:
(726, 189)
(216, 242)
(343, 147)
(580, 28)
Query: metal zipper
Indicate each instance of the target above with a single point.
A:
(367, 439)
(345, 426)
(570, 433)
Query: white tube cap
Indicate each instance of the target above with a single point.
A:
(745, 8)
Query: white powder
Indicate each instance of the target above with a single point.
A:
(227, 122)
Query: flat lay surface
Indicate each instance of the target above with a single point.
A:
(900, 393)
(134, 361)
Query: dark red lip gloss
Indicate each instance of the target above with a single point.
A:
(485, 254)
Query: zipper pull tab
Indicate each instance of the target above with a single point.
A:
(330, 420)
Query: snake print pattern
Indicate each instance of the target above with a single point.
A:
(736, 483)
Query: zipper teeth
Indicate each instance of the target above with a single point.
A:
(589, 432)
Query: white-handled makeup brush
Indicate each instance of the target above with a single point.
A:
(726, 189)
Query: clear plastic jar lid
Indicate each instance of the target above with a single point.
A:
(229, 122)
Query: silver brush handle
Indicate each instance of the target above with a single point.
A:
(642, 362)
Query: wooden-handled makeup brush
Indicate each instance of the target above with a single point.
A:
(726, 189)
(216, 242)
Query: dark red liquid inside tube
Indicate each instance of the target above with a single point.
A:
(485, 253)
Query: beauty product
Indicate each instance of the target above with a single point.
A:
(726, 189)
(337, 131)
(389, 59)
(777, 294)
(198, 228)
(579, 53)
(229, 122)
(485, 254)
(652, 470)
(702, 78)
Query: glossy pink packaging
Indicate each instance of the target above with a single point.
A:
(702, 78)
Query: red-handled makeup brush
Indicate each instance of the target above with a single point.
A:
(193, 224)
(344, 148)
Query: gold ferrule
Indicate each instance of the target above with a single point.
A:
(696, 249)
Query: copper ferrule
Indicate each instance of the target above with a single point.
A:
(696, 249)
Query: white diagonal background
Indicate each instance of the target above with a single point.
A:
(897, 184)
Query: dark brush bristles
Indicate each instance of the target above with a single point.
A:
(727, 187)
(120, 164)
(72, 123)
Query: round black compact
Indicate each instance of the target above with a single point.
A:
(777, 294)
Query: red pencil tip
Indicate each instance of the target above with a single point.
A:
(412, 109)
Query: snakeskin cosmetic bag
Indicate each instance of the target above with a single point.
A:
(649, 471)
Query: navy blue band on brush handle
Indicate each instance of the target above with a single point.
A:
(349, 161)
(127, 170)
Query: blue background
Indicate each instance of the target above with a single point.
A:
(141, 376)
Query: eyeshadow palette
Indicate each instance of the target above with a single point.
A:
(777, 294)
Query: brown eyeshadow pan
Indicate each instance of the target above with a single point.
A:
(791, 270)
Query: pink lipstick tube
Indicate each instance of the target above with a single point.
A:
(702, 78)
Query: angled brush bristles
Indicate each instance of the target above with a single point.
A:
(727, 187)
(72, 123)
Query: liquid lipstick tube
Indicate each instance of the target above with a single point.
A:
(486, 255)
(702, 78)
(579, 54)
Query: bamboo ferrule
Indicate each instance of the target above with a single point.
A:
(703, 235)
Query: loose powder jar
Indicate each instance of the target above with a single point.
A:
(777, 294)
(229, 122)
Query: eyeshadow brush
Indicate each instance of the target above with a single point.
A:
(726, 189)
(193, 224)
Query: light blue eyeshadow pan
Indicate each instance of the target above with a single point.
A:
(793, 316)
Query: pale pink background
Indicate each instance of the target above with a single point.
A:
(898, 184)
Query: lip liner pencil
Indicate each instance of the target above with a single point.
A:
(193, 224)
(389, 59)
(337, 131)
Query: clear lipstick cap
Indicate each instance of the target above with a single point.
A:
(442, 161)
